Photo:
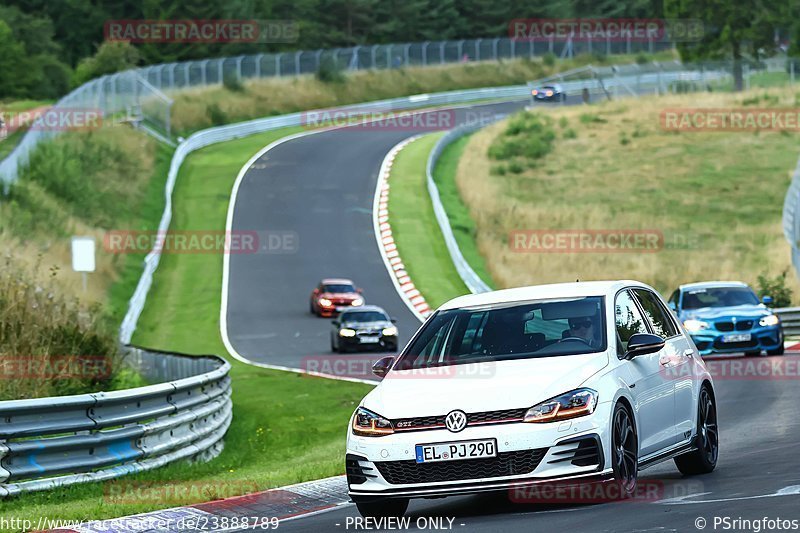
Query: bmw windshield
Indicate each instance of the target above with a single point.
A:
(719, 297)
(518, 331)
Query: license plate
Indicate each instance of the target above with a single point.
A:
(368, 340)
(455, 451)
(739, 337)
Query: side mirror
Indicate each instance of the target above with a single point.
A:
(672, 306)
(360, 290)
(642, 344)
(394, 320)
(767, 300)
(316, 290)
(335, 323)
(382, 366)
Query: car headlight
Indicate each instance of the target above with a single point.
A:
(357, 301)
(692, 325)
(391, 331)
(573, 404)
(324, 302)
(368, 424)
(347, 332)
(769, 320)
(534, 92)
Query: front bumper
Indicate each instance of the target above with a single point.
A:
(527, 454)
(384, 343)
(711, 341)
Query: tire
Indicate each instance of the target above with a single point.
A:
(395, 507)
(624, 450)
(779, 350)
(703, 460)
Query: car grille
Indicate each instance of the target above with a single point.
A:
(742, 325)
(368, 332)
(505, 464)
(718, 344)
(473, 419)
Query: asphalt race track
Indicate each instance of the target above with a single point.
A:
(321, 188)
(758, 475)
(318, 188)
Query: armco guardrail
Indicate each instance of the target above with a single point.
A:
(791, 218)
(470, 278)
(790, 318)
(47, 443)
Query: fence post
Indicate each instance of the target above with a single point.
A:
(441, 52)
(372, 53)
(257, 72)
(478, 49)
(278, 63)
(408, 55)
(318, 59)
(460, 51)
(425, 53)
(239, 67)
(220, 72)
(204, 66)
(791, 70)
(389, 56)
(513, 44)
(297, 63)
(494, 48)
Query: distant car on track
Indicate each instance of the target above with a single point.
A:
(365, 328)
(568, 383)
(725, 317)
(549, 93)
(333, 294)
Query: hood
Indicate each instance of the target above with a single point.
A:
(716, 313)
(339, 295)
(486, 386)
(367, 325)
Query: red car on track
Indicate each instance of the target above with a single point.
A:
(333, 293)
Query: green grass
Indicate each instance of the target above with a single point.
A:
(287, 427)
(131, 265)
(8, 144)
(414, 226)
(464, 229)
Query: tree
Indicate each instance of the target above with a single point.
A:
(732, 30)
(12, 55)
(111, 57)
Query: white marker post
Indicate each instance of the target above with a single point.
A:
(83, 256)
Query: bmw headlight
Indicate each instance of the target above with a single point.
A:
(368, 424)
(357, 302)
(573, 404)
(391, 331)
(324, 302)
(769, 320)
(692, 325)
(347, 332)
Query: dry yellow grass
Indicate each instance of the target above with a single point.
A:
(716, 197)
(273, 96)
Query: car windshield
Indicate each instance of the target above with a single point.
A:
(364, 316)
(338, 287)
(543, 328)
(719, 297)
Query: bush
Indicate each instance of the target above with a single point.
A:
(527, 135)
(41, 334)
(591, 118)
(549, 59)
(642, 59)
(231, 82)
(111, 57)
(216, 115)
(775, 287)
(329, 71)
(570, 134)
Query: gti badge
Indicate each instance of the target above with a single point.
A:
(456, 420)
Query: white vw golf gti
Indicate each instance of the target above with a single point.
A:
(570, 383)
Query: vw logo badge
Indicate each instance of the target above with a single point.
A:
(455, 421)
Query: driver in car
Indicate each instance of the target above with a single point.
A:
(584, 328)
